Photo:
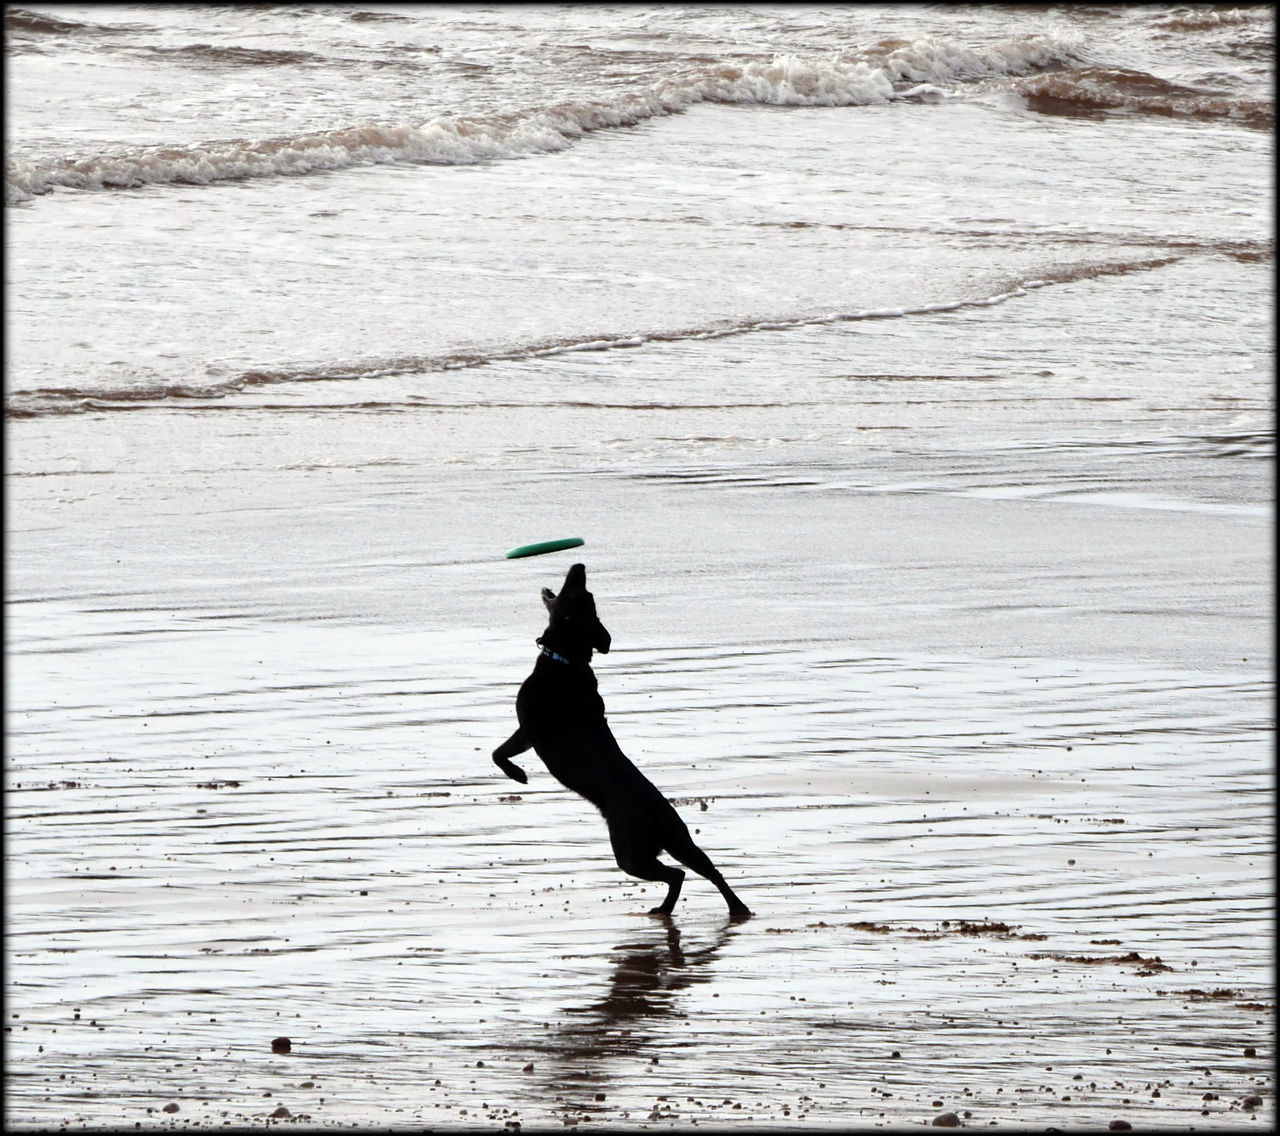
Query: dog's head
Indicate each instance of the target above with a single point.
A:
(574, 629)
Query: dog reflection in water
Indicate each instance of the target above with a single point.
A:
(648, 978)
(561, 716)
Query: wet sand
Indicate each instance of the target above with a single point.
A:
(1008, 844)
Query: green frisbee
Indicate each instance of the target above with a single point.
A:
(545, 546)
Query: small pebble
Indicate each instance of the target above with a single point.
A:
(281, 1113)
(1252, 1102)
(281, 1045)
(946, 1120)
(172, 1106)
(1250, 1051)
(1120, 1126)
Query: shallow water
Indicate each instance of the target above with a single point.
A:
(249, 790)
(212, 848)
(230, 822)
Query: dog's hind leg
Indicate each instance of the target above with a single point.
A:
(654, 869)
(637, 857)
(682, 847)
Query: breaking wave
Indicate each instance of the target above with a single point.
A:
(894, 69)
(21, 20)
(1208, 19)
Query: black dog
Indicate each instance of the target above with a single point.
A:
(561, 716)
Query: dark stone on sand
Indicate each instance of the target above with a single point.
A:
(281, 1113)
(281, 1045)
(1252, 1102)
(1120, 1126)
(172, 1106)
(1250, 1051)
(946, 1120)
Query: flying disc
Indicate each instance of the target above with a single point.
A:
(545, 546)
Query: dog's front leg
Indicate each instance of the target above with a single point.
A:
(516, 743)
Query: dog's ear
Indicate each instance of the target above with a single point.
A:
(549, 598)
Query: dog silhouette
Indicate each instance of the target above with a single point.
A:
(561, 716)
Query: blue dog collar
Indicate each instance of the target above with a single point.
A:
(557, 658)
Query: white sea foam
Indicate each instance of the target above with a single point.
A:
(908, 71)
